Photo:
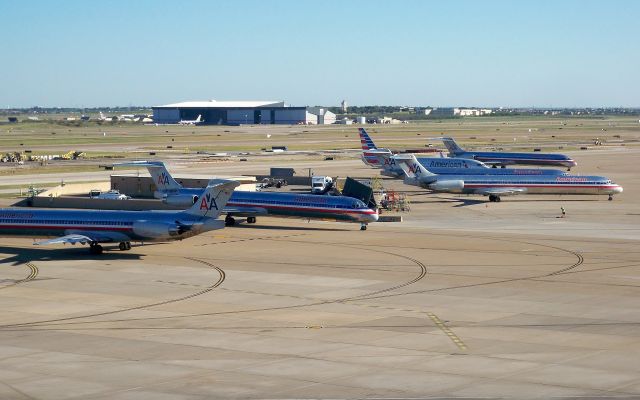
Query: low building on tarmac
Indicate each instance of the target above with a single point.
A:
(265, 112)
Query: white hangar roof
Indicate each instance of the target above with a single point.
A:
(225, 104)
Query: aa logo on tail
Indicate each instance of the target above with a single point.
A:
(208, 202)
(163, 179)
(415, 168)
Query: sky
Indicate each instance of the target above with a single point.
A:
(369, 52)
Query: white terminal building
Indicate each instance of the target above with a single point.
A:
(457, 111)
(242, 112)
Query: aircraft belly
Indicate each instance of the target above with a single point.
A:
(311, 214)
(566, 190)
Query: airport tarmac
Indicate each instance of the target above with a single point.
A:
(309, 310)
(463, 299)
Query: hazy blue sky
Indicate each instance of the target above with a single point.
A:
(492, 53)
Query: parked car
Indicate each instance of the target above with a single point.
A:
(111, 195)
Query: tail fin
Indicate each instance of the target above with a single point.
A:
(365, 140)
(213, 200)
(199, 119)
(452, 146)
(376, 158)
(161, 177)
(382, 159)
(411, 167)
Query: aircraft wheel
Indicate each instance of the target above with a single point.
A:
(363, 227)
(122, 246)
(251, 220)
(229, 221)
(492, 198)
(95, 249)
(128, 245)
(610, 197)
(498, 199)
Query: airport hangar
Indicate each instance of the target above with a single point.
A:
(242, 112)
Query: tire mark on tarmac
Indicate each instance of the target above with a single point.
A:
(140, 307)
(33, 272)
(73, 320)
(383, 293)
(579, 262)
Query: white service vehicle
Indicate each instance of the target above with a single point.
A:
(111, 195)
(321, 184)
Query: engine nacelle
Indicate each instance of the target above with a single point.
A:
(156, 230)
(444, 186)
(180, 200)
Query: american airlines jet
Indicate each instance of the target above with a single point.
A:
(383, 159)
(503, 159)
(254, 204)
(496, 186)
(94, 227)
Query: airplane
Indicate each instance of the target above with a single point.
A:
(196, 121)
(99, 226)
(495, 186)
(383, 159)
(107, 118)
(253, 204)
(503, 159)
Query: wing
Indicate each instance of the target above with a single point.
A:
(502, 191)
(84, 238)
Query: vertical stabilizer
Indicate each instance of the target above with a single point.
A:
(366, 141)
(411, 167)
(213, 199)
(161, 177)
(452, 146)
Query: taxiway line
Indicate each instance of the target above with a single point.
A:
(447, 331)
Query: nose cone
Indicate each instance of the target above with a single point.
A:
(617, 189)
(571, 163)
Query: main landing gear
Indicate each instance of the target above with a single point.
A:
(494, 198)
(95, 248)
(124, 246)
(230, 221)
(363, 227)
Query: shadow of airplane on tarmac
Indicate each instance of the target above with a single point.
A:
(244, 225)
(21, 255)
